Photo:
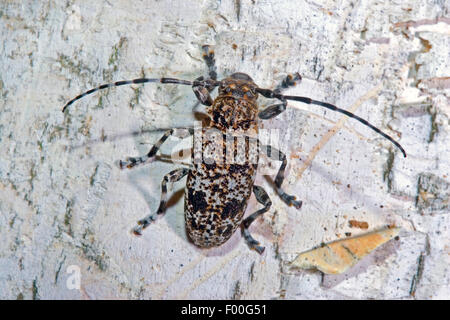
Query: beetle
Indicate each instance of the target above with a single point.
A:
(217, 191)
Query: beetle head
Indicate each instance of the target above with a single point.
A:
(240, 86)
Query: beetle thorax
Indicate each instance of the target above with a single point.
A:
(228, 113)
(235, 107)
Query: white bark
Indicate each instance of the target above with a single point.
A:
(64, 202)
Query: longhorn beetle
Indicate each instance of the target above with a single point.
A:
(217, 191)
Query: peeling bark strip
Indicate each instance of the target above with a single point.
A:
(237, 5)
(387, 174)
(59, 269)
(418, 276)
(35, 291)
(433, 194)
(408, 24)
(440, 83)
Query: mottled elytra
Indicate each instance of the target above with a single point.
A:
(217, 192)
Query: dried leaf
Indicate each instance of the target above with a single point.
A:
(336, 257)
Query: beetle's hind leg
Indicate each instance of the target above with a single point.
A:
(263, 198)
(131, 162)
(172, 176)
(275, 154)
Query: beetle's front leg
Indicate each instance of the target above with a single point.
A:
(202, 87)
(202, 91)
(208, 56)
(291, 80)
(131, 162)
(273, 110)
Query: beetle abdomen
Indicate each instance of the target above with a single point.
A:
(215, 201)
(225, 160)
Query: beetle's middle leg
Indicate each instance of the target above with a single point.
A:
(131, 162)
(172, 176)
(275, 154)
(263, 198)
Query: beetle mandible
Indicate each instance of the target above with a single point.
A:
(217, 191)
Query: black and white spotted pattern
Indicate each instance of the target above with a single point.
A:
(216, 197)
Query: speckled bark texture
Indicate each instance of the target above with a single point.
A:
(65, 206)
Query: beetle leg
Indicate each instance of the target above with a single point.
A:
(172, 176)
(151, 155)
(263, 198)
(208, 56)
(291, 80)
(202, 92)
(275, 154)
(273, 110)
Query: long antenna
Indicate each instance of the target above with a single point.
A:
(271, 94)
(126, 82)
